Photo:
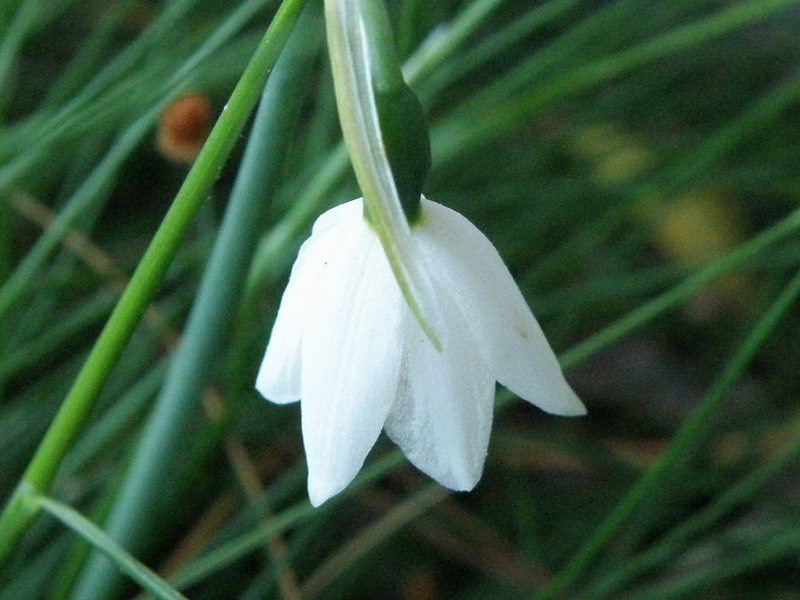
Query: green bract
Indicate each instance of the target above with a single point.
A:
(408, 148)
(403, 124)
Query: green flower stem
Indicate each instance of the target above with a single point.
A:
(383, 61)
(208, 325)
(689, 437)
(407, 27)
(403, 123)
(93, 534)
(18, 514)
(322, 182)
(357, 104)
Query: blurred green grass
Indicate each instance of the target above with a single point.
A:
(606, 177)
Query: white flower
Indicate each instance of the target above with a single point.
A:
(347, 344)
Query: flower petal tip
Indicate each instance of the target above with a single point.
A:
(316, 499)
(569, 406)
(466, 484)
(578, 410)
(322, 489)
(277, 389)
(278, 397)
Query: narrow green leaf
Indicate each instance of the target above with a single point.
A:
(689, 437)
(95, 536)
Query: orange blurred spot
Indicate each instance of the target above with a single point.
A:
(183, 127)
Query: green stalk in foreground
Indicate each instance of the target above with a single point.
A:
(19, 513)
(165, 431)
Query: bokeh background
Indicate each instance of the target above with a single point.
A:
(637, 166)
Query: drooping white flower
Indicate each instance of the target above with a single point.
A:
(347, 345)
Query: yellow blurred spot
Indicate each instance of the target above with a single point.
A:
(615, 155)
(698, 227)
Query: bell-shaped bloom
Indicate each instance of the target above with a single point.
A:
(347, 345)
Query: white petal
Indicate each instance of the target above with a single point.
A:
(351, 355)
(443, 414)
(508, 336)
(340, 215)
(278, 377)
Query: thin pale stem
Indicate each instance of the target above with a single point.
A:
(358, 114)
